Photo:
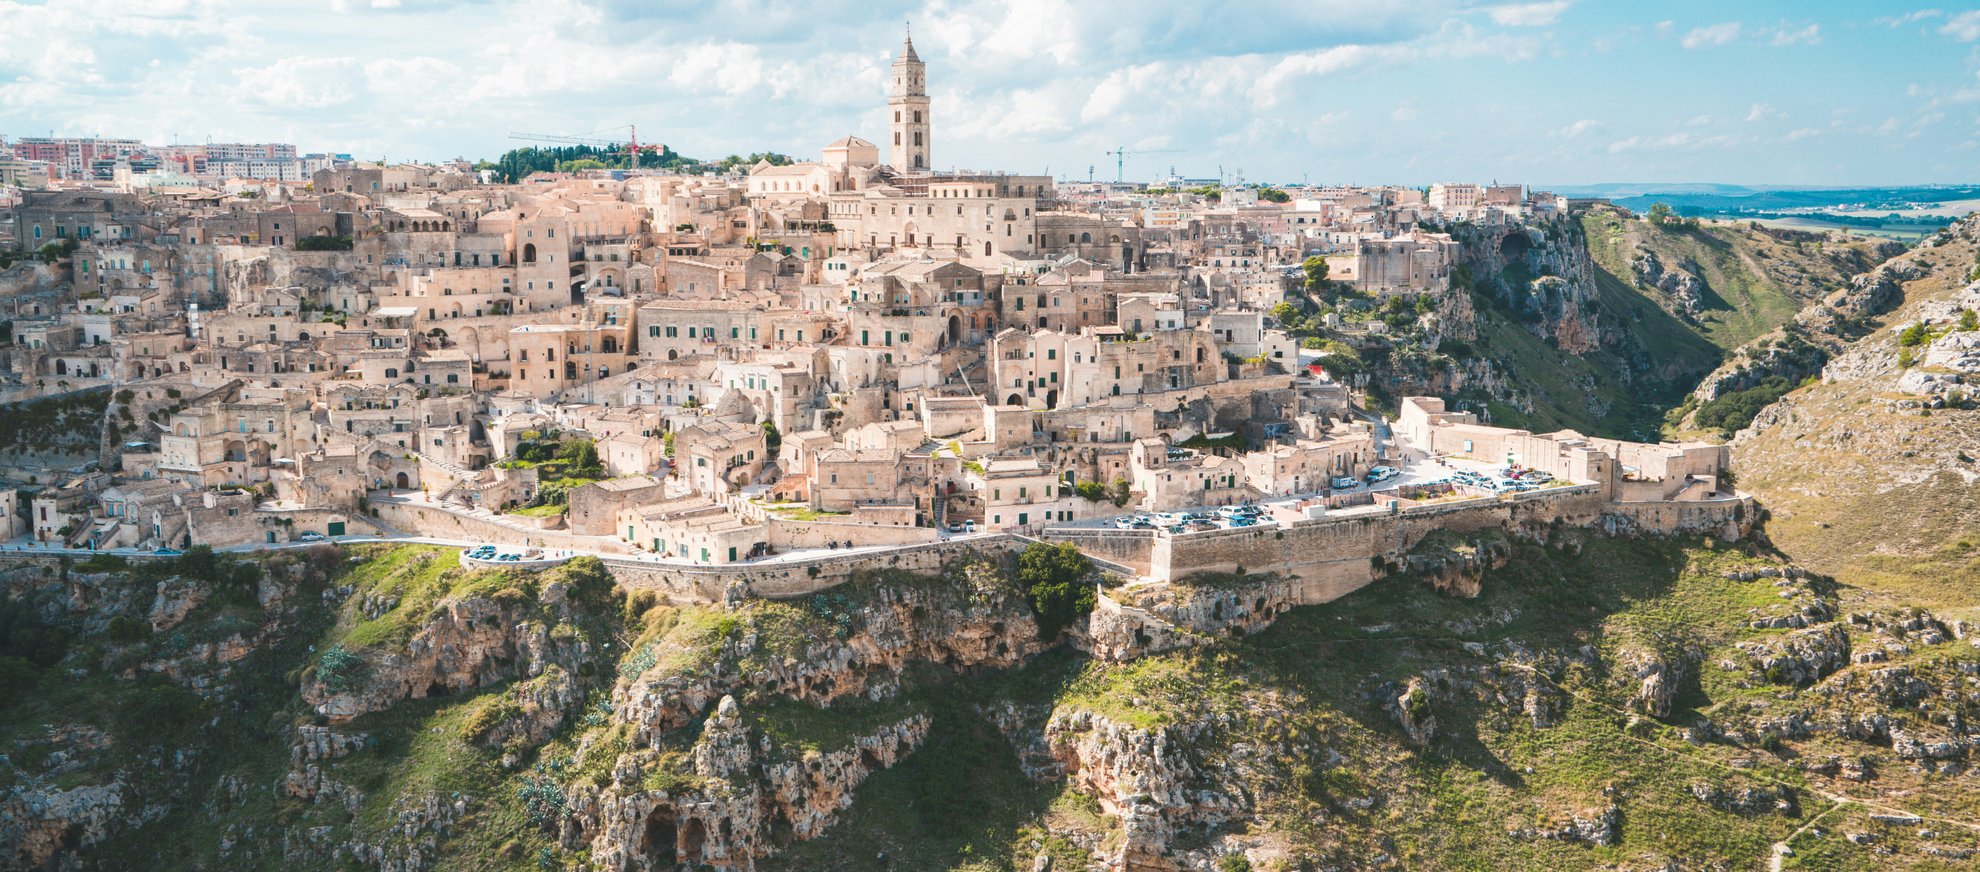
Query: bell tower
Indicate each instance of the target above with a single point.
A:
(907, 109)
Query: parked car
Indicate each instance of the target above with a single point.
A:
(1125, 523)
(969, 526)
(1382, 473)
(1344, 482)
(309, 536)
(168, 552)
(955, 526)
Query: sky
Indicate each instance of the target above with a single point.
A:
(1561, 92)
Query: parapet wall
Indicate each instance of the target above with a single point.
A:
(1132, 549)
(785, 579)
(424, 520)
(1329, 557)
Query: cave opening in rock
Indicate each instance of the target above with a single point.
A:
(1515, 246)
(693, 834)
(658, 842)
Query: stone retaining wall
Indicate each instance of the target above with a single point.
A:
(786, 579)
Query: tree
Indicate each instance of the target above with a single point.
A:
(324, 243)
(1316, 272)
(1274, 195)
(1054, 577)
(772, 440)
(580, 457)
(1660, 214)
(1287, 315)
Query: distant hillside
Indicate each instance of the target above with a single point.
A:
(1715, 199)
(1728, 282)
(1869, 471)
(1606, 324)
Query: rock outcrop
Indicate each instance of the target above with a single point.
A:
(39, 825)
(465, 643)
(1802, 657)
(740, 798)
(1141, 776)
(988, 625)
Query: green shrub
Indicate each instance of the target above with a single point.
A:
(324, 243)
(1054, 578)
(339, 670)
(124, 628)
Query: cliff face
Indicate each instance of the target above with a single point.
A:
(1605, 322)
(463, 645)
(741, 797)
(1868, 469)
(843, 644)
(1561, 699)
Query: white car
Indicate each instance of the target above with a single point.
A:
(309, 536)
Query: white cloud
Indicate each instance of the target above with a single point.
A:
(1404, 112)
(1698, 121)
(1711, 35)
(1681, 141)
(1764, 112)
(1808, 35)
(1909, 17)
(727, 68)
(1964, 27)
(1802, 133)
(299, 83)
(1529, 14)
(1585, 125)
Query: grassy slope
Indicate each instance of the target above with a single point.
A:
(1757, 282)
(1304, 686)
(1561, 385)
(1876, 495)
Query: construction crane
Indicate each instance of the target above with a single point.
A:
(1121, 152)
(631, 147)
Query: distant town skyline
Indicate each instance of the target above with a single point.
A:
(1556, 92)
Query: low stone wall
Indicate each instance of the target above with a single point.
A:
(424, 520)
(1726, 519)
(1129, 548)
(819, 534)
(1332, 556)
(682, 584)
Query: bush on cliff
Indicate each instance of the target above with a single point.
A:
(1054, 577)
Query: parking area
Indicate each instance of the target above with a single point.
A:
(1406, 468)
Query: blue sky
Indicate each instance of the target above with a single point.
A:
(1550, 92)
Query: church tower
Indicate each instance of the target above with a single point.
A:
(907, 148)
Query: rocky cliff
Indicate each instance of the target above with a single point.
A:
(1561, 700)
